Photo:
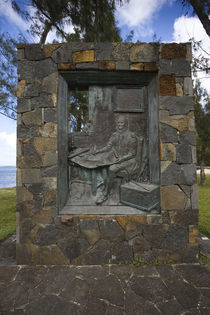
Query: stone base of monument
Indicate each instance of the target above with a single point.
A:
(142, 196)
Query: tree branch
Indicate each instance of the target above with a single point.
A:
(8, 116)
(10, 108)
(200, 11)
(47, 28)
(52, 22)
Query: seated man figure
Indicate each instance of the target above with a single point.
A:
(123, 143)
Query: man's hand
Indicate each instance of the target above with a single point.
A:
(117, 159)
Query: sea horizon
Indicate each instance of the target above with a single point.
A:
(7, 176)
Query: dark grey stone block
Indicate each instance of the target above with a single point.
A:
(88, 225)
(150, 289)
(34, 52)
(176, 105)
(187, 137)
(47, 235)
(45, 67)
(186, 217)
(110, 230)
(24, 105)
(50, 171)
(26, 225)
(28, 131)
(87, 66)
(26, 69)
(171, 175)
(50, 115)
(195, 274)
(73, 248)
(181, 67)
(168, 134)
(171, 307)
(176, 238)
(29, 149)
(150, 233)
(165, 66)
(183, 153)
(188, 174)
(136, 304)
(188, 87)
(51, 304)
(186, 294)
(64, 53)
(35, 189)
(32, 90)
(123, 253)
(36, 69)
(189, 254)
(103, 51)
(187, 190)
(115, 295)
(99, 254)
(122, 65)
(194, 196)
(21, 54)
(43, 100)
(179, 174)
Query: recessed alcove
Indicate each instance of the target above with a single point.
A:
(107, 95)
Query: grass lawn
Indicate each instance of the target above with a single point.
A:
(204, 206)
(7, 211)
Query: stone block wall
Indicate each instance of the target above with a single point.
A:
(46, 237)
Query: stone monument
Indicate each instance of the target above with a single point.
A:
(105, 154)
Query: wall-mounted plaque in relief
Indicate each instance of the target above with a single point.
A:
(108, 149)
(130, 99)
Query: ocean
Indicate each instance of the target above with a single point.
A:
(7, 176)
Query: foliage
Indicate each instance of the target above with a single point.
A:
(8, 77)
(7, 211)
(139, 261)
(96, 20)
(78, 109)
(204, 206)
(200, 58)
(92, 20)
(202, 123)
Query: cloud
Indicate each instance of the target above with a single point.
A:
(68, 28)
(139, 14)
(7, 11)
(138, 11)
(186, 28)
(9, 139)
(7, 148)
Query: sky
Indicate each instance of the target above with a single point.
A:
(166, 19)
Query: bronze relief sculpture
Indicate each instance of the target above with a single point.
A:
(108, 158)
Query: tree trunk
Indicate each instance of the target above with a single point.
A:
(202, 174)
(46, 30)
(203, 17)
(202, 166)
